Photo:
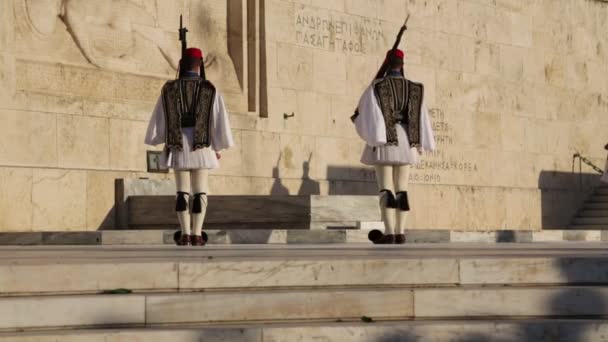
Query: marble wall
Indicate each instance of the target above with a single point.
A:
(515, 88)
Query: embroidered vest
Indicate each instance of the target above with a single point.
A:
(400, 101)
(188, 102)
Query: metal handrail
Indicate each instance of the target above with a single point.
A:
(581, 160)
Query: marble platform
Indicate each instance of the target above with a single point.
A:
(273, 293)
(298, 236)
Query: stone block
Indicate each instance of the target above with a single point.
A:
(133, 237)
(277, 305)
(295, 67)
(143, 335)
(486, 130)
(297, 161)
(567, 270)
(16, 199)
(312, 115)
(7, 78)
(499, 29)
(87, 277)
(83, 142)
(521, 29)
(329, 72)
(477, 237)
(523, 209)
(71, 238)
(427, 236)
(315, 236)
(327, 272)
(261, 152)
(473, 17)
(231, 162)
(548, 236)
(23, 239)
(59, 200)
(390, 10)
(365, 8)
(139, 111)
(344, 208)
(522, 302)
(281, 21)
(127, 148)
(342, 107)
(513, 133)
(101, 199)
(47, 312)
(20, 146)
(512, 62)
(48, 103)
(336, 157)
(7, 27)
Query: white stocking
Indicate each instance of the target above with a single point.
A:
(401, 178)
(200, 185)
(384, 176)
(182, 183)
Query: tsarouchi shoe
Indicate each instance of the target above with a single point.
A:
(388, 239)
(198, 240)
(400, 239)
(184, 240)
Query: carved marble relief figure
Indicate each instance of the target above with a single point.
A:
(135, 36)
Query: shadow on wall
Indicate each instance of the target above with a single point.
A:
(345, 180)
(308, 186)
(562, 195)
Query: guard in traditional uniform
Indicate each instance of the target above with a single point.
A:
(190, 118)
(394, 122)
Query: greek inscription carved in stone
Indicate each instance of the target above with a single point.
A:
(338, 32)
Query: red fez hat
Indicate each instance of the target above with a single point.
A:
(194, 53)
(398, 54)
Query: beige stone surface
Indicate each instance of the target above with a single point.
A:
(530, 271)
(87, 277)
(127, 148)
(523, 302)
(7, 78)
(60, 311)
(83, 142)
(48, 212)
(323, 273)
(100, 198)
(16, 199)
(515, 88)
(28, 139)
(145, 335)
(277, 305)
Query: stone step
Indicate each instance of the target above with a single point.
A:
(588, 227)
(598, 199)
(87, 270)
(555, 330)
(327, 305)
(593, 213)
(590, 221)
(299, 236)
(274, 212)
(595, 206)
(602, 191)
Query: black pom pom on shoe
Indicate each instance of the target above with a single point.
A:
(374, 235)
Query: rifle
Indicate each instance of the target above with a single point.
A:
(385, 64)
(182, 38)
